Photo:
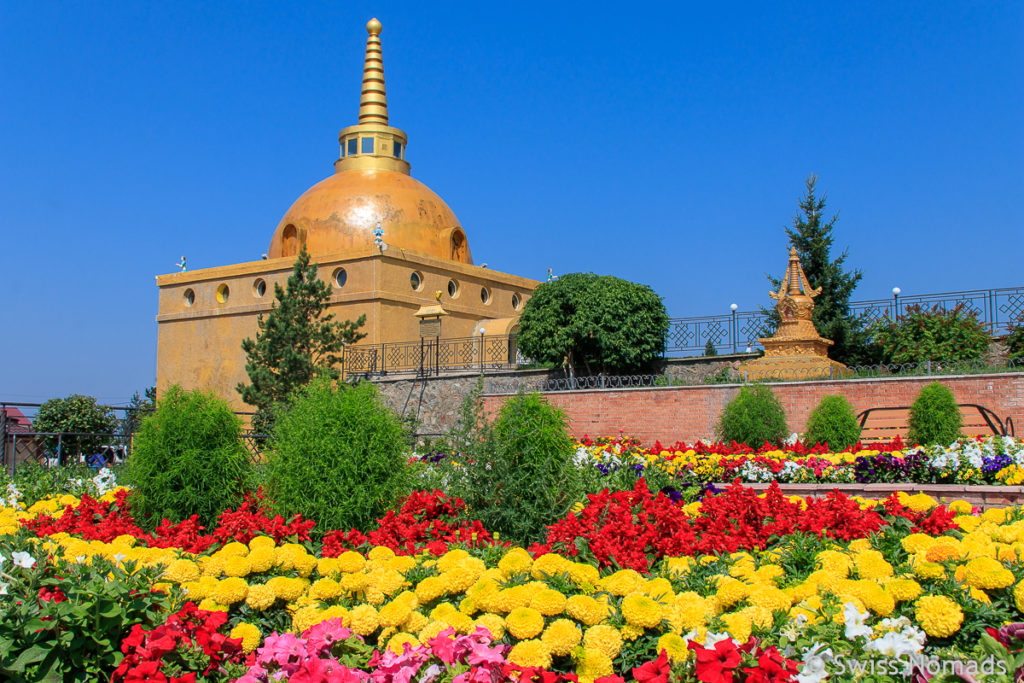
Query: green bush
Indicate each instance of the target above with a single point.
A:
(337, 456)
(936, 334)
(832, 423)
(753, 417)
(522, 475)
(94, 423)
(1015, 339)
(188, 459)
(935, 416)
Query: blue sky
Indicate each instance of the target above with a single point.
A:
(662, 143)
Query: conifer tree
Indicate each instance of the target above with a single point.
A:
(295, 342)
(812, 235)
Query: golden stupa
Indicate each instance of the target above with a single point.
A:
(796, 350)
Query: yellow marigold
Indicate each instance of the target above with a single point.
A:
(769, 573)
(451, 559)
(994, 515)
(363, 620)
(928, 570)
(524, 623)
(238, 565)
(548, 565)
(261, 559)
(548, 602)
(640, 610)
(380, 553)
(493, 623)
(979, 595)
(914, 543)
(430, 631)
(678, 567)
(921, 502)
(903, 590)
(984, 572)
(961, 507)
(592, 664)
(398, 610)
(509, 599)
(230, 590)
(760, 617)
(659, 589)
(584, 575)
(181, 571)
(1018, 596)
(585, 609)
(260, 597)
(945, 548)
(415, 622)
(335, 612)
(939, 616)
(429, 589)
(674, 646)
(967, 522)
(562, 636)
(261, 543)
(872, 565)
(631, 632)
(212, 565)
(770, 598)
(622, 582)
(531, 653)
(350, 561)
(400, 641)
(234, 549)
(694, 610)
(306, 618)
(834, 562)
(605, 638)
(325, 589)
(738, 625)
(211, 605)
(249, 634)
(515, 561)
(388, 581)
(459, 621)
(730, 591)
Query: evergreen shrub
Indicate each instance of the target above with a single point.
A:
(753, 417)
(523, 476)
(832, 423)
(188, 459)
(338, 456)
(934, 416)
(932, 334)
(1015, 339)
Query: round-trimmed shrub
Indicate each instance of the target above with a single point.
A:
(337, 456)
(188, 459)
(754, 416)
(832, 423)
(934, 417)
(523, 478)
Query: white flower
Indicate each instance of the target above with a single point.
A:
(711, 638)
(854, 620)
(813, 670)
(3, 588)
(23, 560)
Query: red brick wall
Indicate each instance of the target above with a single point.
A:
(690, 413)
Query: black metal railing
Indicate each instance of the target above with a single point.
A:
(737, 331)
(431, 356)
(734, 376)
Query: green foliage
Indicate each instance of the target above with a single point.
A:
(709, 349)
(921, 335)
(597, 322)
(76, 413)
(338, 456)
(295, 343)
(832, 423)
(137, 407)
(103, 602)
(1015, 339)
(934, 417)
(188, 459)
(34, 482)
(812, 236)
(519, 472)
(753, 417)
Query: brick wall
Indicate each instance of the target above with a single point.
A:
(689, 413)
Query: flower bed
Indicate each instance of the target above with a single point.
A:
(736, 587)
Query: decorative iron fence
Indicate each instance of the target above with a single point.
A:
(733, 376)
(736, 332)
(431, 356)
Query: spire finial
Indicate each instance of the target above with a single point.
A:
(373, 103)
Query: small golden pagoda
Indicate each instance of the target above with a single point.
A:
(796, 351)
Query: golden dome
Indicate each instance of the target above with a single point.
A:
(341, 212)
(371, 187)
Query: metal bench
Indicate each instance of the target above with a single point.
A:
(884, 424)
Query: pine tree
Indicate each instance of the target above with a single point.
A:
(295, 343)
(812, 235)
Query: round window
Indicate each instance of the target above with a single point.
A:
(340, 277)
(485, 295)
(453, 288)
(515, 302)
(223, 293)
(416, 281)
(190, 297)
(259, 288)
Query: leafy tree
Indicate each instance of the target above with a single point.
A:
(599, 322)
(1015, 339)
(138, 407)
(812, 236)
(78, 414)
(936, 334)
(295, 343)
(709, 349)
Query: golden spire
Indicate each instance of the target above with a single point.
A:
(372, 143)
(373, 103)
(794, 280)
